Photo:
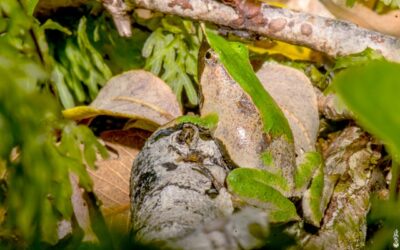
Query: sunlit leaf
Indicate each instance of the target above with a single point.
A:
(135, 94)
(290, 51)
(255, 187)
(371, 92)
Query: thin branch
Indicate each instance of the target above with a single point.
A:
(331, 36)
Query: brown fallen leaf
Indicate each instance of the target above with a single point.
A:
(240, 127)
(239, 123)
(136, 94)
(111, 178)
(81, 214)
(388, 23)
(294, 93)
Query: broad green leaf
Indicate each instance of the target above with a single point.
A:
(255, 187)
(372, 93)
(235, 58)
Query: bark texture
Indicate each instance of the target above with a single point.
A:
(334, 37)
(246, 229)
(177, 184)
(351, 177)
(179, 198)
(331, 107)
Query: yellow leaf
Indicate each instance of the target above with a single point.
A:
(293, 52)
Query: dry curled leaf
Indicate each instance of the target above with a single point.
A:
(111, 178)
(81, 214)
(294, 93)
(239, 122)
(136, 94)
(388, 23)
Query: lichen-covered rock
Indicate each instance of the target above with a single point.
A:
(350, 164)
(177, 184)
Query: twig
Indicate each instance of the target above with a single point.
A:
(334, 37)
(331, 36)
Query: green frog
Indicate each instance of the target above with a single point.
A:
(258, 138)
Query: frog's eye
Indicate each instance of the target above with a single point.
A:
(208, 55)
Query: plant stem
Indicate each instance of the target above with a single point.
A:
(394, 181)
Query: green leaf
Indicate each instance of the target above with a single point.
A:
(171, 51)
(51, 25)
(371, 92)
(84, 43)
(65, 95)
(82, 66)
(255, 186)
(30, 6)
(350, 3)
(235, 58)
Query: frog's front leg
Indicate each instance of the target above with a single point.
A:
(309, 184)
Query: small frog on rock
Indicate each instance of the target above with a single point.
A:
(258, 138)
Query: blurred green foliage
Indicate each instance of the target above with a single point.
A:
(371, 92)
(35, 188)
(120, 53)
(350, 2)
(395, 4)
(171, 52)
(79, 67)
(363, 57)
(392, 3)
(87, 51)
